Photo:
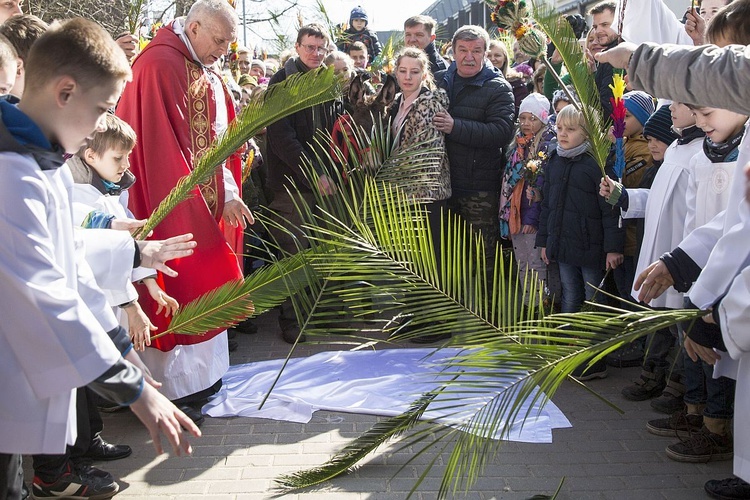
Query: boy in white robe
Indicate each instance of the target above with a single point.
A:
(53, 337)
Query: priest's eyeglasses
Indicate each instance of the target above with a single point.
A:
(312, 49)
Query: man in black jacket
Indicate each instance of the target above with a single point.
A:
(478, 125)
(603, 19)
(288, 139)
(419, 32)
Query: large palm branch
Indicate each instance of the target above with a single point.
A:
(371, 248)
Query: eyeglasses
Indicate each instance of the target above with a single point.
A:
(312, 49)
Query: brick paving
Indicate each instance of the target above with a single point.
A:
(605, 455)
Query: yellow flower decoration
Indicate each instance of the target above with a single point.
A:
(618, 87)
(520, 31)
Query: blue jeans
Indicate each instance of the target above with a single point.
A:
(701, 387)
(574, 281)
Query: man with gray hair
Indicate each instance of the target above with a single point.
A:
(177, 103)
(478, 125)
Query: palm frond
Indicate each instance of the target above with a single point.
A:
(559, 31)
(351, 455)
(379, 257)
(562, 342)
(223, 307)
(296, 93)
(227, 305)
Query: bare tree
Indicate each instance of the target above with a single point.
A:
(116, 16)
(112, 15)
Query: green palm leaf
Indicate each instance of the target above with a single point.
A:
(296, 93)
(227, 305)
(351, 455)
(559, 31)
(564, 342)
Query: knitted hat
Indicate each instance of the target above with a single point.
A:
(659, 126)
(358, 13)
(247, 80)
(640, 105)
(560, 95)
(259, 63)
(537, 105)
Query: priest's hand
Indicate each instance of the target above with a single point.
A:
(653, 282)
(619, 56)
(154, 253)
(237, 214)
(129, 44)
(160, 416)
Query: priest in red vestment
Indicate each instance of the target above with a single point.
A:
(177, 104)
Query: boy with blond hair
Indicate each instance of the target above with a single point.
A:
(53, 338)
(100, 200)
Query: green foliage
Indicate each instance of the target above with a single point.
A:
(372, 250)
(231, 303)
(297, 92)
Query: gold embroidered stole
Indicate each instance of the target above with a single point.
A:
(199, 119)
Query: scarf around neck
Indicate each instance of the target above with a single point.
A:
(722, 152)
(573, 152)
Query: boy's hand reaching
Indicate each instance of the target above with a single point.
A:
(155, 253)
(130, 225)
(133, 357)
(139, 327)
(166, 302)
(619, 56)
(653, 281)
(160, 416)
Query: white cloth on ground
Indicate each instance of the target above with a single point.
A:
(382, 383)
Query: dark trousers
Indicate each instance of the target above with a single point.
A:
(199, 398)
(702, 388)
(480, 210)
(11, 477)
(89, 424)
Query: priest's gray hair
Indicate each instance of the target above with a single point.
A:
(212, 9)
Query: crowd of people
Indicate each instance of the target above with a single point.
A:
(83, 298)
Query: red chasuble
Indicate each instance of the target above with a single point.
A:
(170, 105)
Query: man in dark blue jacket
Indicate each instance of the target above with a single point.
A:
(419, 32)
(478, 125)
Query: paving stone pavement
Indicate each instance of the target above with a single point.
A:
(604, 456)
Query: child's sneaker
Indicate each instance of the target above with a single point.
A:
(703, 446)
(671, 399)
(732, 488)
(680, 424)
(649, 385)
(75, 486)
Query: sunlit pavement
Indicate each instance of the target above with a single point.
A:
(605, 455)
